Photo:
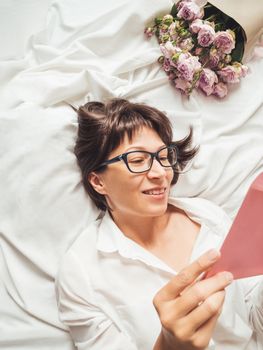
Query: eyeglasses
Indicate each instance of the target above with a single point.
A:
(141, 161)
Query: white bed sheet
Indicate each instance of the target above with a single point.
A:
(93, 50)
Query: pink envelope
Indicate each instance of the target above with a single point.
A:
(242, 250)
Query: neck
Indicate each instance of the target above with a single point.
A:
(145, 231)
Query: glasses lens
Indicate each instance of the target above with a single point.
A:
(139, 161)
(167, 156)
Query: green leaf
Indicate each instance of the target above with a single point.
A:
(174, 11)
(238, 52)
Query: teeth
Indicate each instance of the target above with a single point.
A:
(155, 192)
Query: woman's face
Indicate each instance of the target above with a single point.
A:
(145, 194)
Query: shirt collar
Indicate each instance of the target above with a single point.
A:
(111, 239)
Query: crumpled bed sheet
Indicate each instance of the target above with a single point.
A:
(84, 51)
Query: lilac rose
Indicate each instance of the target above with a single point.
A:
(172, 31)
(244, 70)
(181, 3)
(200, 3)
(233, 73)
(183, 85)
(229, 74)
(207, 81)
(187, 67)
(206, 35)
(186, 44)
(241, 70)
(225, 41)
(179, 57)
(214, 58)
(168, 49)
(220, 90)
(214, 61)
(196, 25)
(189, 11)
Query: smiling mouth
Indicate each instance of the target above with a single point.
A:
(155, 192)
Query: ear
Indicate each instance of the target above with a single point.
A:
(96, 181)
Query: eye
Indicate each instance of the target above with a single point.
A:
(163, 155)
(136, 160)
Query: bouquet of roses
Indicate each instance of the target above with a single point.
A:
(201, 47)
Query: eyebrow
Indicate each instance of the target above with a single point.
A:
(141, 148)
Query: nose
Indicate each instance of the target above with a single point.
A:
(157, 170)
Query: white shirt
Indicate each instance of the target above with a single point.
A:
(106, 284)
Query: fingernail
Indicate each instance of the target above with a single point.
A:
(228, 276)
(213, 255)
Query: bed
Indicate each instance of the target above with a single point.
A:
(69, 52)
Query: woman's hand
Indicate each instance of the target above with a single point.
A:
(188, 309)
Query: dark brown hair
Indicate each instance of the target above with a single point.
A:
(102, 128)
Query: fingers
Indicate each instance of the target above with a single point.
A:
(201, 338)
(200, 291)
(209, 309)
(197, 326)
(187, 276)
(195, 329)
(188, 308)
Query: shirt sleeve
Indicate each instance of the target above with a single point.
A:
(253, 291)
(91, 326)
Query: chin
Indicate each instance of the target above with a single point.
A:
(157, 211)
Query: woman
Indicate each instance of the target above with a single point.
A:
(118, 286)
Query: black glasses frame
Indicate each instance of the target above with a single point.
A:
(154, 155)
